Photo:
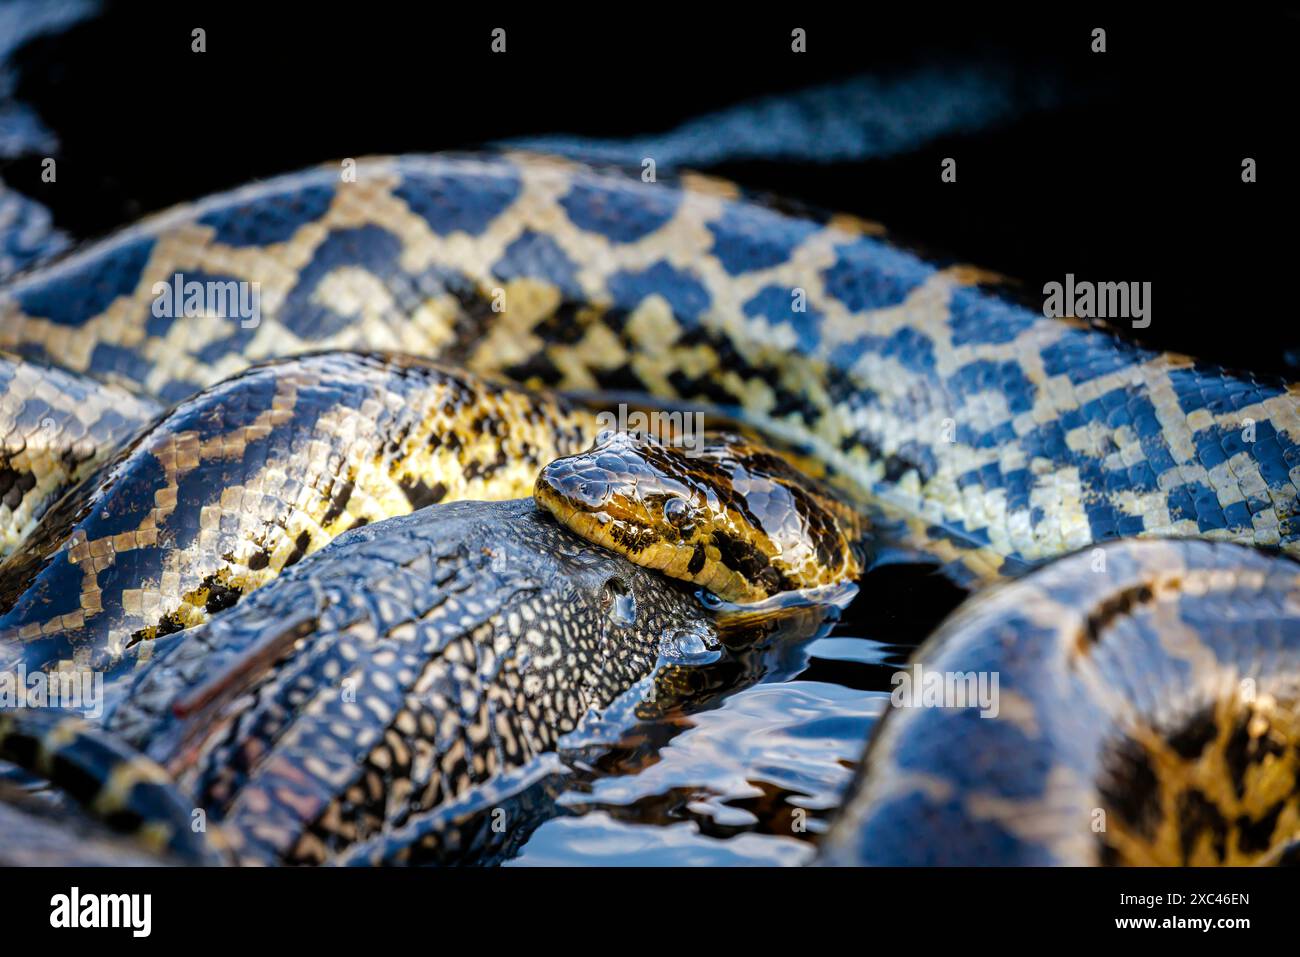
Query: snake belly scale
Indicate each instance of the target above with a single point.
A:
(1002, 437)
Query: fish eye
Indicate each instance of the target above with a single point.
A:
(678, 512)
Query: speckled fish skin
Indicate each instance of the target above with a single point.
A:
(55, 427)
(244, 479)
(1148, 713)
(985, 422)
(405, 672)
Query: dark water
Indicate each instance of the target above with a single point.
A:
(750, 777)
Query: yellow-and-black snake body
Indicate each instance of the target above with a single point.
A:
(1000, 437)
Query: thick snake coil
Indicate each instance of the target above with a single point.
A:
(998, 437)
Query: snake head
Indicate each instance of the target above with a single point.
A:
(732, 516)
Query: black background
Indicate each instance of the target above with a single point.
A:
(1139, 180)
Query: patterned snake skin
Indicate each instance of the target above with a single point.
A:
(1148, 713)
(999, 437)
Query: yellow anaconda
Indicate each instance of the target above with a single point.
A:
(1144, 709)
(1001, 437)
(730, 516)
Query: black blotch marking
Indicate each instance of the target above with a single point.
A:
(259, 561)
(697, 560)
(1197, 815)
(744, 558)
(1242, 751)
(220, 596)
(1190, 740)
(1107, 854)
(1255, 837)
(124, 821)
(1290, 856)
(1114, 607)
(71, 776)
(420, 494)
(14, 485)
(299, 549)
(538, 367)
(21, 750)
(896, 464)
(1131, 787)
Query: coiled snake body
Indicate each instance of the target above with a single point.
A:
(999, 438)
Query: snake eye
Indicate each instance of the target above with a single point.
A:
(678, 513)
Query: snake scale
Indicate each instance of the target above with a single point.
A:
(997, 438)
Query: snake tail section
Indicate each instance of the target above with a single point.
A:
(112, 781)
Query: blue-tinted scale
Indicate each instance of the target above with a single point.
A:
(745, 238)
(1205, 386)
(1018, 484)
(1271, 451)
(33, 352)
(237, 335)
(980, 841)
(369, 247)
(1237, 515)
(870, 274)
(70, 300)
(776, 304)
(458, 202)
(1004, 378)
(909, 348)
(127, 500)
(269, 219)
(622, 213)
(1047, 441)
(538, 256)
(226, 408)
(184, 523)
(56, 591)
(1083, 355)
(685, 295)
(980, 318)
(108, 360)
(1196, 502)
